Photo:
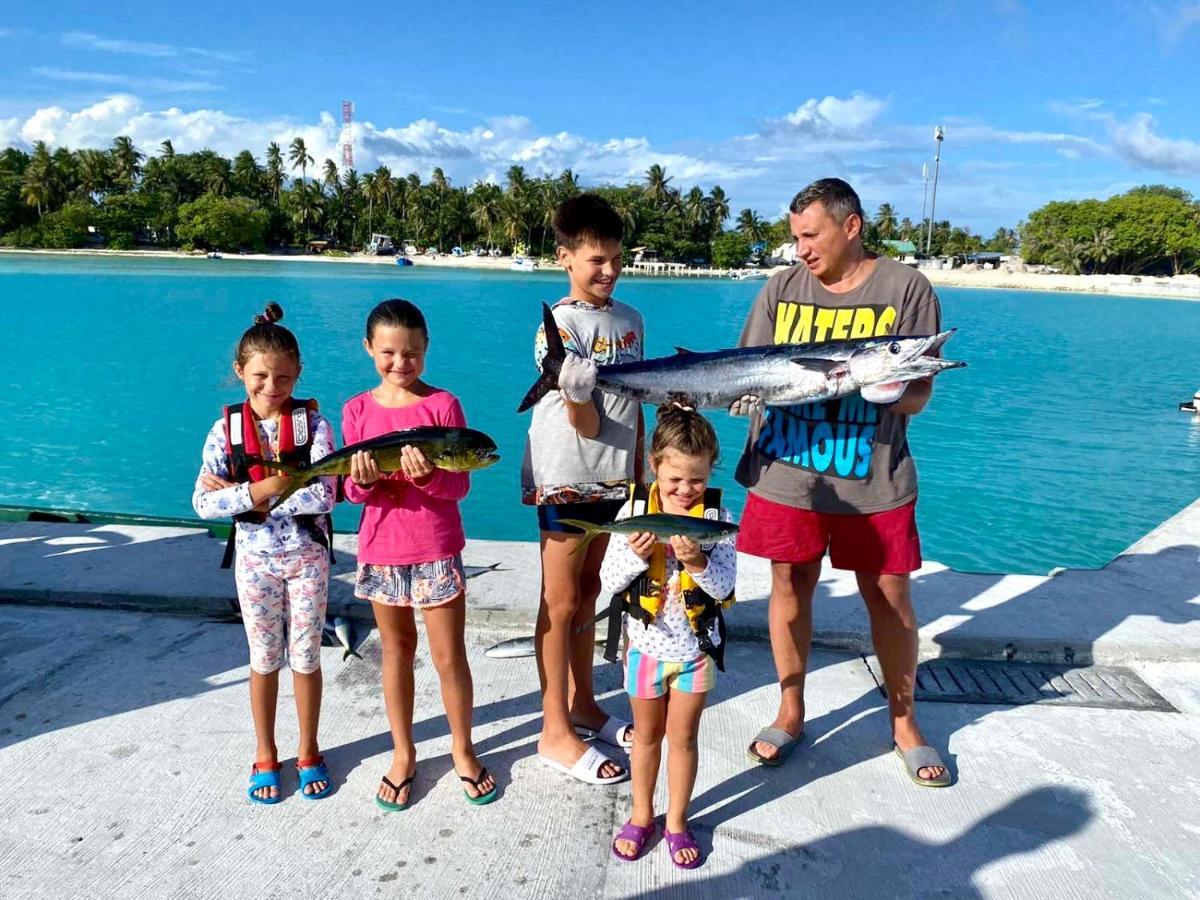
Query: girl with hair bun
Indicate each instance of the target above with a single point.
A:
(671, 596)
(282, 554)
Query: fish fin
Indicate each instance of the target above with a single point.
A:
(816, 363)
(590, 532)
(680, 351)
(556, 352)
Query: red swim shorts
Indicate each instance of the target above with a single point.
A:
(884, 542)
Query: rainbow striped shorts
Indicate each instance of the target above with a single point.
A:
(647, 678)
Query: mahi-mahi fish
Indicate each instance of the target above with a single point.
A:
(781, 375)
(454, 449)
(662, 525)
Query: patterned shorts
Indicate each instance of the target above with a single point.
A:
(647, 678)
(417, 585)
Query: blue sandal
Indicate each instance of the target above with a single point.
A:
(312, 770)
(264, 775)
(483, 798)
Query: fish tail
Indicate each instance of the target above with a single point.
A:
(590, 532)
(551, 362)
(348, 653)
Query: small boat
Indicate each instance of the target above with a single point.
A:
(523, 264)
(213, 254)
(1192, 406)
(403, 261)
(747, 274)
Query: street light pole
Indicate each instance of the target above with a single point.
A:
(938, 134)
(924, 194)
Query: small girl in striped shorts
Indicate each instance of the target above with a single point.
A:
(670, 656)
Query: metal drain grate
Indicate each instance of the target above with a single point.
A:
(1013, 683)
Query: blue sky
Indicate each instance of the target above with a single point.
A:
(1040, 101)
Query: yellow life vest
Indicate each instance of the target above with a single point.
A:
(647, 595)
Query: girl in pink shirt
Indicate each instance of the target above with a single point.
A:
(410, 541)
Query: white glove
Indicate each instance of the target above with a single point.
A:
(884, 394)
(577, 378)
(747, 405)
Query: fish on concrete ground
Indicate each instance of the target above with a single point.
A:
(663, 526)
(475, 571)
(340, 634)
(453, 449)
(780, 375)
(521, 647)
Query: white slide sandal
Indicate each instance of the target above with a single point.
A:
(587, 768)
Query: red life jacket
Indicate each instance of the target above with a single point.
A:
(244, 455)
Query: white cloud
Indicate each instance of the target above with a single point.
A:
(152, 84)
(1137, 143)
(833, 115)
(89, 41)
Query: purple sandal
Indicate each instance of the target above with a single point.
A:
(639, 835)
(682, 841)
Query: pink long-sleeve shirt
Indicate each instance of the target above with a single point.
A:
(402, 522)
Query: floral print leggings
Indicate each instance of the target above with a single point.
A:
(283, 598)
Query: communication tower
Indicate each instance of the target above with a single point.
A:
(347, 134)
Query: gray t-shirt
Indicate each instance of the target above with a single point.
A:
(560, 465)
(846, 455)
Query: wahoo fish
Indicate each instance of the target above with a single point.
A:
(782, 375)
(662, 525)
(454, 449)
(340, 634)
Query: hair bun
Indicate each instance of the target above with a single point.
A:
(271, 314)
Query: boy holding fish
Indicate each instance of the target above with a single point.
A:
(581, 453)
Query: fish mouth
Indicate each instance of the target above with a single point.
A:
(922, 360)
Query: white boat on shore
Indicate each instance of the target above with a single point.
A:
(523, 264)
(747, 274)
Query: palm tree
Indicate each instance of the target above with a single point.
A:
(127, 161)
(885, 222)
(309, 202)
(1070, 253)
(166, 150)
(330, 173)
(39, 183)
(217, 174)
(718, 207)
(695, 209)
(1101, 250)
(484, 201)
(275, 175)
(94, 171)
(299, 157)
(657, 191)
(750, 225)
(247, 176)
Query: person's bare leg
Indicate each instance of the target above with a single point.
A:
(559, 606)
(789, 620)
(307, 688)
(650, 722)
(444, 628)
(398, 640)
(581, 693)
(894, 634)
(264, 694)
(683, 755)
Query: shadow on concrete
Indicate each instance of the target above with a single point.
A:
(877, 861)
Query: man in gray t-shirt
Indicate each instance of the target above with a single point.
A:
(837, 476)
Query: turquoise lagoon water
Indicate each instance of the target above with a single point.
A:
(1059, 445)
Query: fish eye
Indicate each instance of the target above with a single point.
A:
(893, 348)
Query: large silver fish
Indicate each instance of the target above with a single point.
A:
(782, 375)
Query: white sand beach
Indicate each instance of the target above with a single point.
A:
(1181, 287)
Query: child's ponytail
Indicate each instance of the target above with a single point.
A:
(265, 336)
(681, 428)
